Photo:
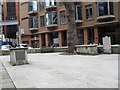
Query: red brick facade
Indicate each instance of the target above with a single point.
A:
(44, 33)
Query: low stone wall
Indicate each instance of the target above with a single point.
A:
(34, 50)
(4, 52)
(60, 49)
(38, 50)
(115, 49)
(47, 50)
(87, 49)
(100, 49)
(80, 49)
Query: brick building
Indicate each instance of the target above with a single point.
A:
(11, 20)
(45, 23)
(1, 20)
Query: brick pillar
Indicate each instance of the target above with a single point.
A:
(5, 14)
(40, 40)
(29, 40)
(47, 39)
(5, 9)
(17, 9)
(60, 39)
(85, 36)
(96, 35)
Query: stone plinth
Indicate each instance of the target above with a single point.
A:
(18, 56)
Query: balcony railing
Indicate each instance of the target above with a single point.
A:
(32, 7)
(33, 29)
(105, 17)
(32, 12)
(52, 26)
(78, 21)
(50, 7)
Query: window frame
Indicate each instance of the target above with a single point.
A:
(60, 3)
(50, 3)
(76, 12)
(63, 17)
(47, 18)
(43, 23)
(33, 22)
(90, 14)
(108, 7)
(43, 5)
(31, 3)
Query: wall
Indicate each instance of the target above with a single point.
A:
(0, 19)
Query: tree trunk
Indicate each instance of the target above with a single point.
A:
(71, 32)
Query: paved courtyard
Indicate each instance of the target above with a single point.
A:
(51, 70)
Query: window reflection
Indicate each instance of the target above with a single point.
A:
(32, 6)
(50, 2)
(51, 18)
(105, 8)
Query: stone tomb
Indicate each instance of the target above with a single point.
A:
(18, 56)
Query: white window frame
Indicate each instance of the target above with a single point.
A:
(88, 7)
(61, 19)
(108, 4)
(47, 18)
(34, 3)
(48, 3)
(33, 20)
(76, 11)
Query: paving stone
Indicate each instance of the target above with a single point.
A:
(6, 80)
(7, 85)
(5, 76)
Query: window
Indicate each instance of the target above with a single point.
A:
(41, 5)
(51, 18)
(62, 17)
(78, 13)
(11, 31)
(105, 8)
(32, 6)
(33, 22)
(11, 11)
(42, 22)
(50, 2)
(80, 36)
(60, 3)
(54, 38)
(89, 12)
(90, 35)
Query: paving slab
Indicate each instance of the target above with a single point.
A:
(51, 70)
(5, 81)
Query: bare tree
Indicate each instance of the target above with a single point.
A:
(71, 32)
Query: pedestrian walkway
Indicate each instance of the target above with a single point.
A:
(5, 80)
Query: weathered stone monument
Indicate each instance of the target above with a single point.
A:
(107, 44)
(18, 56)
